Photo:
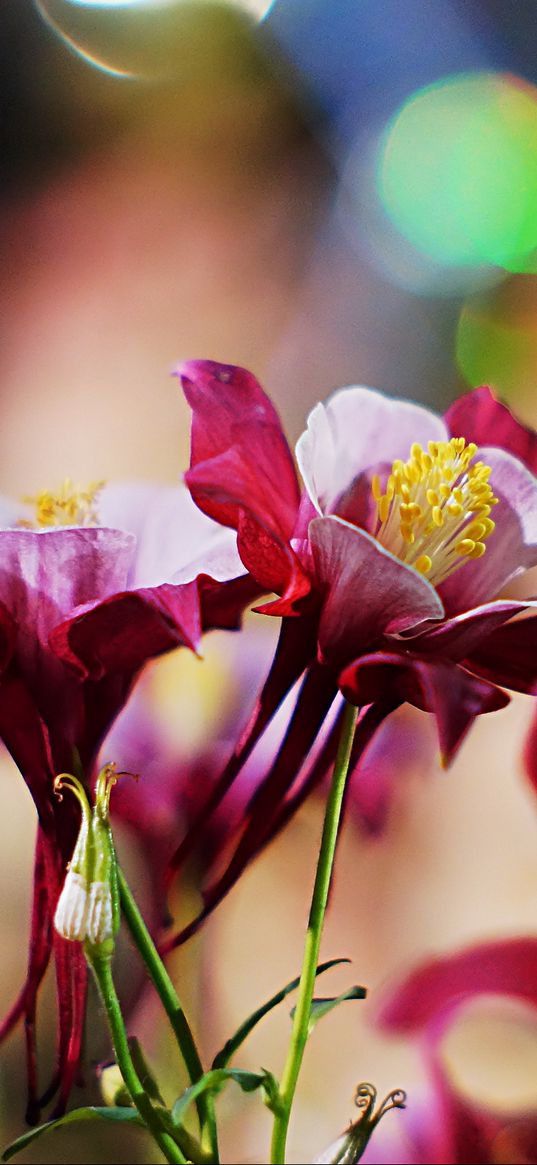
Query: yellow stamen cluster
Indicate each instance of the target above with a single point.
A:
(71, 506)
(434, 513)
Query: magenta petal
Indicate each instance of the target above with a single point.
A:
(429, 995)
(121, 633)
(367, 592)
(458, 637)
(235, 424)
(479, 417)
(508, 656)
(451, 693)
(354, 429)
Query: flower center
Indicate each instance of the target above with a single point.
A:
(434, 513)
(71, 506)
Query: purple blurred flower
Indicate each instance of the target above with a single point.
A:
(387, 567)
(82, 608)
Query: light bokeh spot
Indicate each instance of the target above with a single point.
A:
(457, 171)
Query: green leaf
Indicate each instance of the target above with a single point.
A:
(214, 1081)
(230, 1047)
(320, 1007)
(78, 1114)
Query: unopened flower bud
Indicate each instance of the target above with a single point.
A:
(88, 908)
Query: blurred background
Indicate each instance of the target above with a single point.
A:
(327, 192)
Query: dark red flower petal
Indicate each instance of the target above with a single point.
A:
(508, 656)
(451, 693)
(122, 632)
(479, 416)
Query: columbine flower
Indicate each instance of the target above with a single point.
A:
(444, 1125)
(387, 565)
(82, 607)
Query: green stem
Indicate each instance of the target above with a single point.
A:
(313, 937)
(174, 1010)
(102, 970)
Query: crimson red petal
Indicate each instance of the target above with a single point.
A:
(479, 416)
(429, 995)
(233, 419)
(451, 693)
(241, 471)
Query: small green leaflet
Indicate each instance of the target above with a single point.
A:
(230, 1047)
(320, 1007)
(120, 1113)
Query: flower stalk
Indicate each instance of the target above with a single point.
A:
(301, 1022)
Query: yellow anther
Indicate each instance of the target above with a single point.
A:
(384, 507)
(479, 550)
(437, 516)
(416, 450)
(423, 564)
(376, 487)
(432, 497)
(454, 509)
(466, 546)
(71, 506)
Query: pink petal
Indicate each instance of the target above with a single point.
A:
(451, 693)
(402, 747)
(45, 574)
(172, 534)
(479, 417)
(355, 429)
(511, 548)
(431, 994)
(367, 592)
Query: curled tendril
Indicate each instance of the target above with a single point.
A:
(108, 777)
(395, 1099)
(364, 1098)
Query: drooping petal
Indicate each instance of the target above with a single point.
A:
(367, 591)
(355, 428)
(511, 548)
(458, 637)
(122, 632)
(508, 656)
(479, 416)
(451, 693)
(430, 995)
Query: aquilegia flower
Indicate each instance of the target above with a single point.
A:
(100, 585)
(445, 1125)
(387, 566)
